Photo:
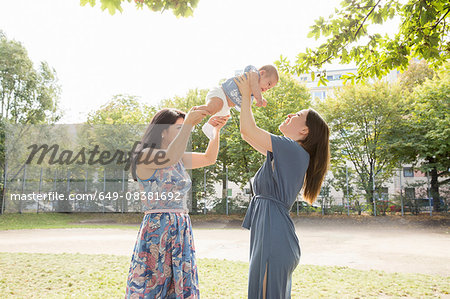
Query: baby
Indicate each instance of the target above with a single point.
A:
(219, 100)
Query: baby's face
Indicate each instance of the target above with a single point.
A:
(266, 82)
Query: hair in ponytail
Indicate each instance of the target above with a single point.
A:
(317, 144)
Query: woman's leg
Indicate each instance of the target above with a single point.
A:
(265, 283)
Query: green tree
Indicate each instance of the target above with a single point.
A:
(423, 33)
(360, 119)
(415, 75)
(180, 8)
(424, 138)
(117, 125)
(122, 109)
(341, 176)
(28, 95)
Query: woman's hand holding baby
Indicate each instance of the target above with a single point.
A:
(244, 86)
(218, 121)
(195, 116)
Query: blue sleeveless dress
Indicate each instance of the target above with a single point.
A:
(273, 242)
(163, 264)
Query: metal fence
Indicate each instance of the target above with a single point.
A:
(389, 205)
(57, 190)
(39, 189)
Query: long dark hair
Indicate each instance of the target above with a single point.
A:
(317, 144)
(153, 135)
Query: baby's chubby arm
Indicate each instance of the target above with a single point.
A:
(213, 106)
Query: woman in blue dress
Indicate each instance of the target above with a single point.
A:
(297, 160)
(163, 264)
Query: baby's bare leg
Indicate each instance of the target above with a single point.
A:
(213, 105)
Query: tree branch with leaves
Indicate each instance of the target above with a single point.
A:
(180, 8)
(423, 33)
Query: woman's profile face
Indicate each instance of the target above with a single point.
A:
(171, 132)
(294, 126)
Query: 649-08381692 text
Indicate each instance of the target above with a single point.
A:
(54, 196)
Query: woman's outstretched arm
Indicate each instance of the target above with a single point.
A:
(258, 138)
(194, 160)
(165, 157)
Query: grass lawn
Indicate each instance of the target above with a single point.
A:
(24, 275)
(86, 220)
(68, 220)
(133, 220)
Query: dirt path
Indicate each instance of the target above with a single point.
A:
(380, 247)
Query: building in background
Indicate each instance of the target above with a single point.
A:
(334, 77)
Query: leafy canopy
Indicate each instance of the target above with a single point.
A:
(180, 8)
(423, 33)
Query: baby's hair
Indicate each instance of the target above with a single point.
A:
(270, 70)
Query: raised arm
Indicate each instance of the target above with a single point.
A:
(197, 160)
(161, 158)
(258, 138)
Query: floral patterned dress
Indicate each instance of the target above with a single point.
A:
(163, 264)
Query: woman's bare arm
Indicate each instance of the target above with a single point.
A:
(258, 138)
(160, 158)
(197, 160)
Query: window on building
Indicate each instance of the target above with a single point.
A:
(408, 172)
(382, 193)
(410, 193)
(330, 77)
(319, 94)
(336, 77)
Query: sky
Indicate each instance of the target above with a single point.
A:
(154, 55)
